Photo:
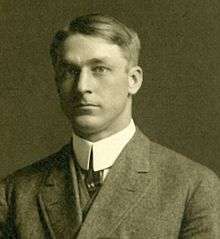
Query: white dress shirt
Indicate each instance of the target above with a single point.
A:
(105, 151)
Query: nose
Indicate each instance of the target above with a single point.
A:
(84, 82)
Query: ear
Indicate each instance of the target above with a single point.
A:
(135, 79)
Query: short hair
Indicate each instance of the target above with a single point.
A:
(106, 27)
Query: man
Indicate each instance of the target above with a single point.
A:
(110, 181)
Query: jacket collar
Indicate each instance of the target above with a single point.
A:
(58, 198)
(124, 186)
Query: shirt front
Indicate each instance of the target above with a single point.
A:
(105, 151)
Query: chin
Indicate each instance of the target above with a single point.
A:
(86, 124)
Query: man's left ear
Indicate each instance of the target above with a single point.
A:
(135, 79)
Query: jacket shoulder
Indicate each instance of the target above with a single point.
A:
(173, 165)
(39, 168)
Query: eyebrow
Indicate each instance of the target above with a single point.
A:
(90, 61)
(97, 60)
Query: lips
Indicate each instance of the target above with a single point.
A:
(85, 105)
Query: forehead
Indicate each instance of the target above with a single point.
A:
(79, 48)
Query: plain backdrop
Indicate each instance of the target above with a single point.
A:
(178, 105)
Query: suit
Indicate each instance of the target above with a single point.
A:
(150, 192)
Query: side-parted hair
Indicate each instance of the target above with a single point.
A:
(104, 27)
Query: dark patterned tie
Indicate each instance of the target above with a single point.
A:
(93, 178)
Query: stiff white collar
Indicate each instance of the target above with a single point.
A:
(105, 151)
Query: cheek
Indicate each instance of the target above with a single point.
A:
(115, 96)
(66, 89)
(120, 90)
(116, 86)
(66, 86)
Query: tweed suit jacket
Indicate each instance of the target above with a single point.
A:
(150, 192)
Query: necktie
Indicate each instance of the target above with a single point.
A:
(93, 178)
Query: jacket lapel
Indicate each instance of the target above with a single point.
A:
(124, 186)
(59, 199)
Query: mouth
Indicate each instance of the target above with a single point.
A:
(85, 105)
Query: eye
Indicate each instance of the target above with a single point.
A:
(68, 70)
(74, 71)
(100, 69)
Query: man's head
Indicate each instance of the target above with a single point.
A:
(96, 70)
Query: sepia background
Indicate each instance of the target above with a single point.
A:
(178, 105)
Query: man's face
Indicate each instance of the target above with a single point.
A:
(93, 82)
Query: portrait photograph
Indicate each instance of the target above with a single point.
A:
(110, 116)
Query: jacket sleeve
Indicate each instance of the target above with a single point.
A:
(202, 213)
(6, 222)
